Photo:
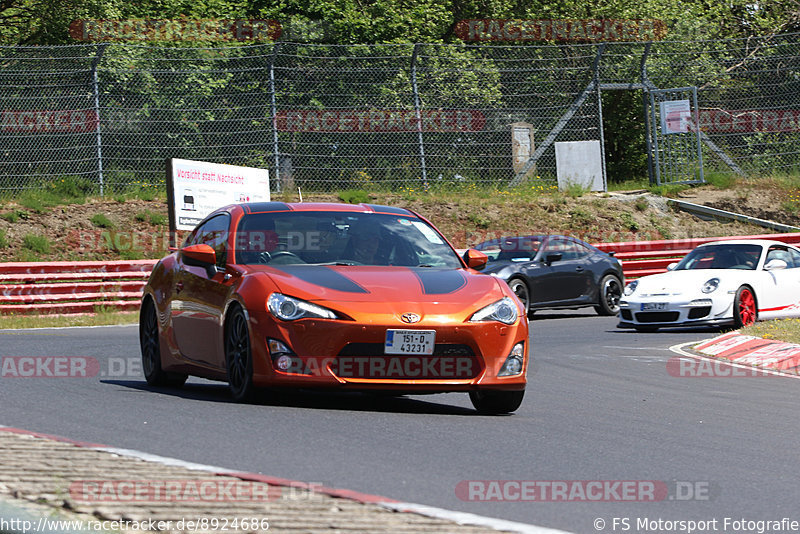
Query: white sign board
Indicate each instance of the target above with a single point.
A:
(580, 163)
(676, 115)
(196, 188)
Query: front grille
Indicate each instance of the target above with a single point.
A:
(658, 317)
(367, 360)
(696, 313)
(626, 314)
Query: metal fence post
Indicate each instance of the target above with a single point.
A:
(648, 137)
(420, 138)
(274, 111)
(96, 89)
(600, 114)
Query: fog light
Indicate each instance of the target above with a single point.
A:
(283, 362)
(514, 362)
(283, 359)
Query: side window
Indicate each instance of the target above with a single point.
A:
(795, 255)
(214, 233)
(779, 253)
(581, 250)
(568, 249)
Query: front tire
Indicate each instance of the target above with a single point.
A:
(150, 345)
(238, 356)
(610, 292)
(745, 311)
(496, 402)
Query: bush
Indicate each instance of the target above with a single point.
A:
(354, 196)
(101, 221)
(36, 243)
(10, 216)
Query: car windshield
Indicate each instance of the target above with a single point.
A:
(511, 248)
(739, 256)
(335, 238)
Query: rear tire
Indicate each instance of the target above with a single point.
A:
(745, 311)
(150, 345)
(496, 402)
(610, 291)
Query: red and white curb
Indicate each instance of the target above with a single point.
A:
(767, 355)
(461, 518)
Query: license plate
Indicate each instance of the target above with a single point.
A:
(410, 341)
(648, 306)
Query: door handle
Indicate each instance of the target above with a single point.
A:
(579, 269)
(179, 287)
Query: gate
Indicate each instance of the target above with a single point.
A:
(673, 136)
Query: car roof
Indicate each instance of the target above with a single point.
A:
(498, 241)
(760, 242)
(267, 207)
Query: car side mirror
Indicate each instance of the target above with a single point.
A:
(550, 258)
(200, 255)
(475, 259)
(776, 264)
(671, 266)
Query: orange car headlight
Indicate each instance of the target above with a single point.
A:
(289, 308)
(504, 311)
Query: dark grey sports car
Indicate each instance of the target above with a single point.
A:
(556, 271)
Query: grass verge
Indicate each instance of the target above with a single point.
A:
(102, 318)
(780, 329)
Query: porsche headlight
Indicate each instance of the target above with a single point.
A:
(710, 285)
(504, 311)
(631, 287)
(290, 309)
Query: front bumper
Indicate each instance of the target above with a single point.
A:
(349, 354)
(655, 312)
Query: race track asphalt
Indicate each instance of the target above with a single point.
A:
(600, 406)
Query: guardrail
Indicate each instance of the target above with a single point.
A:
(72, 287)
(641, 258)
(83, 287)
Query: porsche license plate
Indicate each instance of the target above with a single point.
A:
(650, 306)
(410, 341)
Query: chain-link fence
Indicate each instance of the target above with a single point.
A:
(325, 117)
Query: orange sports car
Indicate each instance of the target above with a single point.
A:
(359, 297)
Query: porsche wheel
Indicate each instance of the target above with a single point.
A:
(744, 307)
(151, 349)
(238, 357)
(496, 402)
(520, 289)
(610, 295)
